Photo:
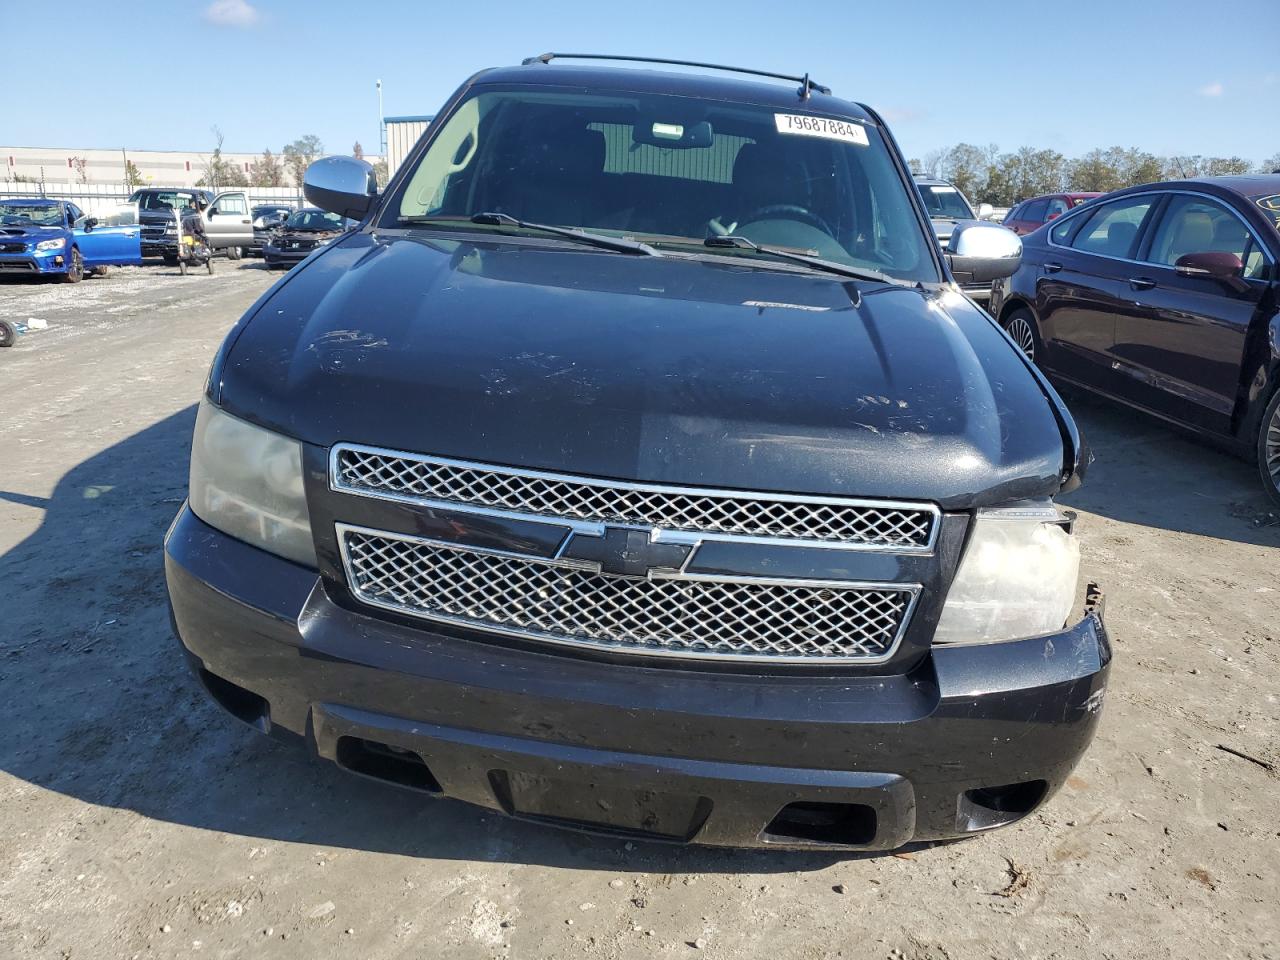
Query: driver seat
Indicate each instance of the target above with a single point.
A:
(762, 178)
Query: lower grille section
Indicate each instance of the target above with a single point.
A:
(679, 616)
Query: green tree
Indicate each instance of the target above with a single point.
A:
(267, 171)
(381, 172)
(299, 155)
(969, 167)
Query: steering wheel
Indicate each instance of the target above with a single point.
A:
(788, 211)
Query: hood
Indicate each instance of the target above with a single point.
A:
(23, 231)
(661, 370)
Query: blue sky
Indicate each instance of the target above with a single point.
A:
(1173, 77)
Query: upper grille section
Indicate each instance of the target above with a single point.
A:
(677, 616)
(845, 522)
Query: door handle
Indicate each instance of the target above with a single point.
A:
(1052, 267)
(1141, 283)
(245, 221)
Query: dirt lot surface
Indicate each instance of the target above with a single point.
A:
(136, 820)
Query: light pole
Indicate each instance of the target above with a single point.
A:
(382, 124)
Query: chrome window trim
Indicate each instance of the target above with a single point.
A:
(1077, 211)
(597, 528)
(912, 589)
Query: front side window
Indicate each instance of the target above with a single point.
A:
(670, 171)
(232, 203)
(1035, 210)
(1112, 230)
(1198, 225)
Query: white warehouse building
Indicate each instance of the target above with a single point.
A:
(402, 134)
(60, 164)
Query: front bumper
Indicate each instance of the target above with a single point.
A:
(275, 255)
(33, 264)
(972, 738)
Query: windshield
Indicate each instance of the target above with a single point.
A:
(945, 201)
(672, 172)
(16, 213)
(315, 220)
(169, 200)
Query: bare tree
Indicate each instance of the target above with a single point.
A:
(81, 166)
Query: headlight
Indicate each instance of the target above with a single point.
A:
(247, 482)
(1017, 577)
(52, 244)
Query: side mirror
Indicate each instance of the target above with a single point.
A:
(985, 211)
(342, 185)
(90, 223)
(983, 252)
(1209, 266)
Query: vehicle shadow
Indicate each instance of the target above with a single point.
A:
(1154, 475)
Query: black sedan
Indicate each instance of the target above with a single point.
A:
(1164, 297)
(303, 232)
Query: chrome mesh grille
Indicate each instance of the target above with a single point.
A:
(679, 616)
(890, 526)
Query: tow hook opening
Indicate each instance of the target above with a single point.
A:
(985, 807)
(245, 705)
(382, 761)
(837, 824)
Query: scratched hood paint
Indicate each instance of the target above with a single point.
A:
(662, 370)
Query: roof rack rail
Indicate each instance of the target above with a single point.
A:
(806, 85)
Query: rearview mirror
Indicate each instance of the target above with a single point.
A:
(982, 252)
(342, 185)
(1209, 265)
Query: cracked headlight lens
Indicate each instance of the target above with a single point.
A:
(57, 244)
(247, 482)
(1017, 577)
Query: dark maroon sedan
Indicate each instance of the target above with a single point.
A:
(1164, 297)
(1031, 214)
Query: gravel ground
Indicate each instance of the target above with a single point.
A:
(136, 820)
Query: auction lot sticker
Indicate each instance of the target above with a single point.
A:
(800, 125)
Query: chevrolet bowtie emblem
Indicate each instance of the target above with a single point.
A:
(627, 552)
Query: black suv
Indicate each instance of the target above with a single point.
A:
(637, 466)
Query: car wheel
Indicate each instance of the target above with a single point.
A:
(1269, 448)
(182, 267)
(8, 334)
(100, 272)
(234, 253)
(75, 269)
(1021, 326)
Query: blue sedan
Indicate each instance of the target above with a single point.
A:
(40, 237)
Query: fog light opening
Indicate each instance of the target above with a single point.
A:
(985, 807)
(390, 764)
(245, 705)
(835, 824)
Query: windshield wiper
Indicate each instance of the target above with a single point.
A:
(818, 263)
(618, 244)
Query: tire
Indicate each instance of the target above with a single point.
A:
(8, 334)
(1269, 449)
(208, 264)
(100, 272)
(75, 269)
(1021, 326)
(235, 253)
(182, 267)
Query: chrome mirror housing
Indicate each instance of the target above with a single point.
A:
(982, 252)
(342, 185)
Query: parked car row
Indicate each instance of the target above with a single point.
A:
(56, 238)
(1164, 297)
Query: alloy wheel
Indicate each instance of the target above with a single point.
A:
(1271, 448)
(1020, 329)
